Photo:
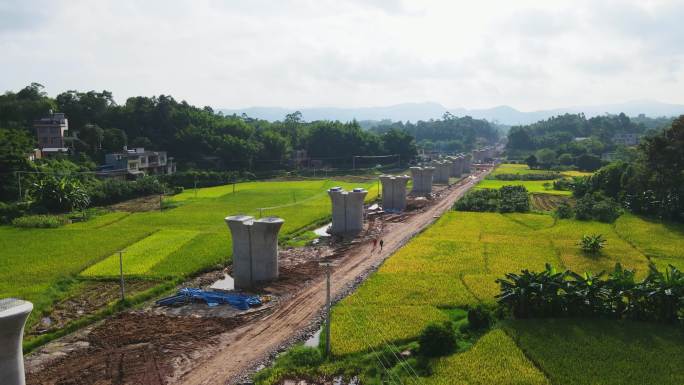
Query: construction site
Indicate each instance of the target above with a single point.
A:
(223, 325)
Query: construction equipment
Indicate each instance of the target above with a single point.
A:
(211, 298)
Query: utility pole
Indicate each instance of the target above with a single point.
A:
(328, 268)
(160, 202)
(123, 294)
(19, 181)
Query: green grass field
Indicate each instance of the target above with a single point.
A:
(454, 264)
(172, 243)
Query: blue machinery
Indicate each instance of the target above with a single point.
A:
(212, 298)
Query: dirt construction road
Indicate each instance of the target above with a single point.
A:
(239, 349)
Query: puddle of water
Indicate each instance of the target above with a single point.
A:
(323, 231)
(314, 340)
(225, 284)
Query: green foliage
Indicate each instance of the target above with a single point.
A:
(597, 207)
(564, 211)
(449, 134)
(9, 211)
(60, 194)
(15, 145)
(40, 221)
(549, 293)
(110, 191)
(506, 199)
(437, 339)
(479, 317)
(592, 243)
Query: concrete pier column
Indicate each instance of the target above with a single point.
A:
(467, 163)
(399, 192)
(441, 172)
(255, 249)
(13, 315)
(387, 192)
(264, 239)
(338, 200)
(427, 179)
(354, 210)
(417, 178)
(394, 192)
(242, 250)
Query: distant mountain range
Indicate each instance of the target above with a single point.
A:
(424, 111)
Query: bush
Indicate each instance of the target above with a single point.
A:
(302, 356)
(479, 317)
(188, 179)
(40, 221)
(506, 199)
(479, 200)
(564, 211)
(598, 207)
(437, 340)
(592, 243)
(60, 194)
(514, 199)
(9, 211)
(112, 191)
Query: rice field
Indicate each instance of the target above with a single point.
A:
(595, 351)
(169, 244)
(455, 262)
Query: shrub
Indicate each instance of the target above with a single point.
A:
(302, 356)
(9, 211)
(514, 199)
(598, 207)
(592, 243)
(60, 194)
(506, 199)
(40, 221)
(112, 191)
(437, 339)
(564, 211)
(479, 200)
(479, 317)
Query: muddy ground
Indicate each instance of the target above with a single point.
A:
(90, 298)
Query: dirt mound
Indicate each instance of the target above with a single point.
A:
(133, 348)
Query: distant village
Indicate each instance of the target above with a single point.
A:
(55, 139)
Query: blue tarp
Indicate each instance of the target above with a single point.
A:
(212, 298)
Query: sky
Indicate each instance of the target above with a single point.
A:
(531, 55)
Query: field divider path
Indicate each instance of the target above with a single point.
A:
(241, 349)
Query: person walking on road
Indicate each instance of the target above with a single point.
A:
(381, 244)
(375, 243)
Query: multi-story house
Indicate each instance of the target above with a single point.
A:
(136, 162)
(51, 131)
(626, 140)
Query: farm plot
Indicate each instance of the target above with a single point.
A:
(596, 351)
(454, 263)
(172, 243)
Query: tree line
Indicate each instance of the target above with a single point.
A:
(572, 140)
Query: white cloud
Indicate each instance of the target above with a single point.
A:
(528, 54)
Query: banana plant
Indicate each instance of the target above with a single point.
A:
(592, 243)
(665, 292)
